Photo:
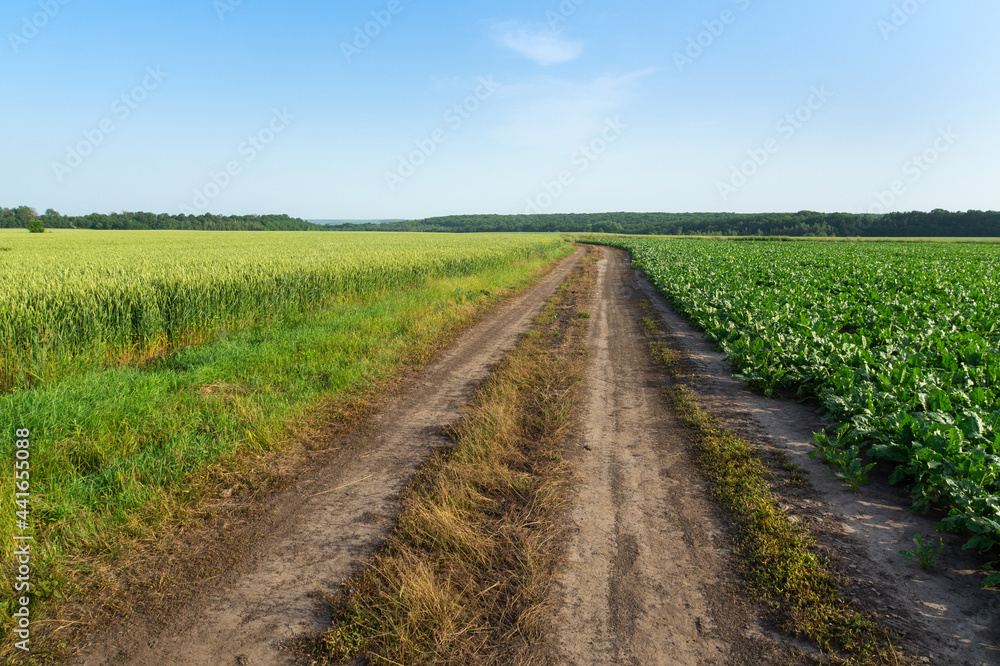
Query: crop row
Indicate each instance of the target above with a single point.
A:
(898, 343)
(80, 297)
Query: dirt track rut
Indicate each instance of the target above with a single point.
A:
(647, 576)
(327, 524)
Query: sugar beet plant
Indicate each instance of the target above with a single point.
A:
(897, 341)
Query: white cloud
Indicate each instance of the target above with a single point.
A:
(543, 46)
(551, 112)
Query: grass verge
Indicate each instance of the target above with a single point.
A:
(130, 458)
(462, 577)
(777, 558)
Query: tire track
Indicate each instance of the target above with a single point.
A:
(647, 579)
(321, 529)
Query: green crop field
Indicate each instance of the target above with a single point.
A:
(897, 341)
(72, 298)
(139, 360)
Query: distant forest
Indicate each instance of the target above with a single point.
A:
(937, 223)
(21, 216)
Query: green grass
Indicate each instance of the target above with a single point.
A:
(780, 565)
(778, 560)
(119, 453)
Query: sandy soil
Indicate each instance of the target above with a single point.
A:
(944, 613)
(648, 574)
(321, 529)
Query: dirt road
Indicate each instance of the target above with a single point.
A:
(647, 579)
(321, 529)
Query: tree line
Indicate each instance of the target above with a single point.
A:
(937, 223)
(25, 216)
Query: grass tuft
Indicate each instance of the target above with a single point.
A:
(779, 563)
(463, 577)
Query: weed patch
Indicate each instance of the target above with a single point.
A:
(779, 564)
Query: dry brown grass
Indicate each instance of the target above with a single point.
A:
(464, 575)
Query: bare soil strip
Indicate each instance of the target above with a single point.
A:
(464, 576)
(648, 578)
(943, 615)
(322, 528)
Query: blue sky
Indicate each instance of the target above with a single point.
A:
(476, 107)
